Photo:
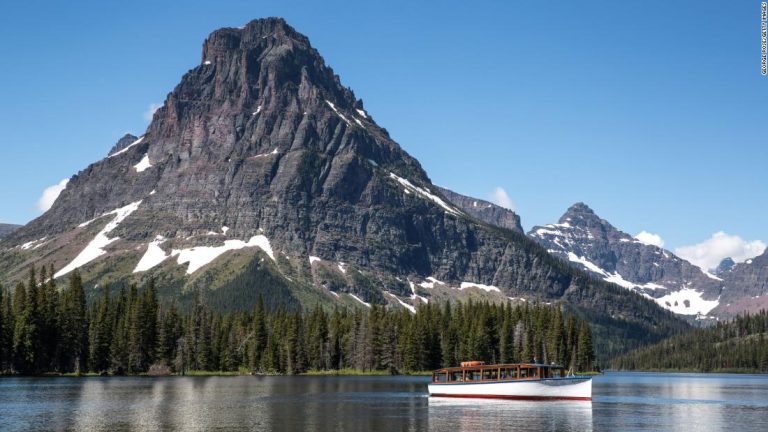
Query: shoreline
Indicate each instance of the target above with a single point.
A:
(333, 372)
(734, 371)
(353, 372)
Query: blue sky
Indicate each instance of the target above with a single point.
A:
(653, 113)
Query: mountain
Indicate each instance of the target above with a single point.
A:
(590, 243)
(7, 229)
(746, 286)
(483, 210)
(263, 176)
(725, 265)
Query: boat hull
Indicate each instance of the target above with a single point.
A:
(545, 389)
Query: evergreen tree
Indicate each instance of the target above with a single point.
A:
(100, 334)
(5, 320)
(26, 340)
(259, 338)
(42, 330)
(584, 348)
(74, 326)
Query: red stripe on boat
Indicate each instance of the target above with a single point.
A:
(512, 397)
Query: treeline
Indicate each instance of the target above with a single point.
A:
(47, 330)
(737, 345)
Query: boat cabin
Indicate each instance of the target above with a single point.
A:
(476, 371)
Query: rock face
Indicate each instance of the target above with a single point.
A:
(588, 242)
(261, 173)
(483, 210)
(6, 229)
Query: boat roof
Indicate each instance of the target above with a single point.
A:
(502, 365)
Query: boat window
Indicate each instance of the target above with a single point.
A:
(509, 373)
(528, 373)
(490, 374)
(454, 376)
(439, 377)
(472, 375)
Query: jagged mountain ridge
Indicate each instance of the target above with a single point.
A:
(262, 172)
(585, 240)
(483, 210)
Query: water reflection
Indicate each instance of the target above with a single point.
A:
(621, 402)
(700, 402)
(490, 414)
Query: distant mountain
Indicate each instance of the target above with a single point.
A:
(483, 210)
(262, 175)
(725, 265)
(7, 229)
(122, 144)
(590, 243)
(746, 286)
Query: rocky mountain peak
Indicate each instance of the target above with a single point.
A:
(725, 265)
(583, 216)
(588, 242)
(270, 53)
(122, 143)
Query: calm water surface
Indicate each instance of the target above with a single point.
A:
(622, 401)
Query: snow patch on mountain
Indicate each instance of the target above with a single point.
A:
(488, 288)
(402, 303)
(200, 256)
(34, 244)
(95, 248)
(360, 300)
(614, 277)
(431, 284)
(415, 296)
(687, 301)
(153, 256)
(261, 155)
(143, 163)
(333, 107)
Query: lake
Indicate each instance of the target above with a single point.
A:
(621, 401)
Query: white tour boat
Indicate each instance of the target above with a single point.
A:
(529, 381)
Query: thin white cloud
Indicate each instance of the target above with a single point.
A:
(50, 194)
(501, 198)
(650, 238)
(151, 111)
(710, 252)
